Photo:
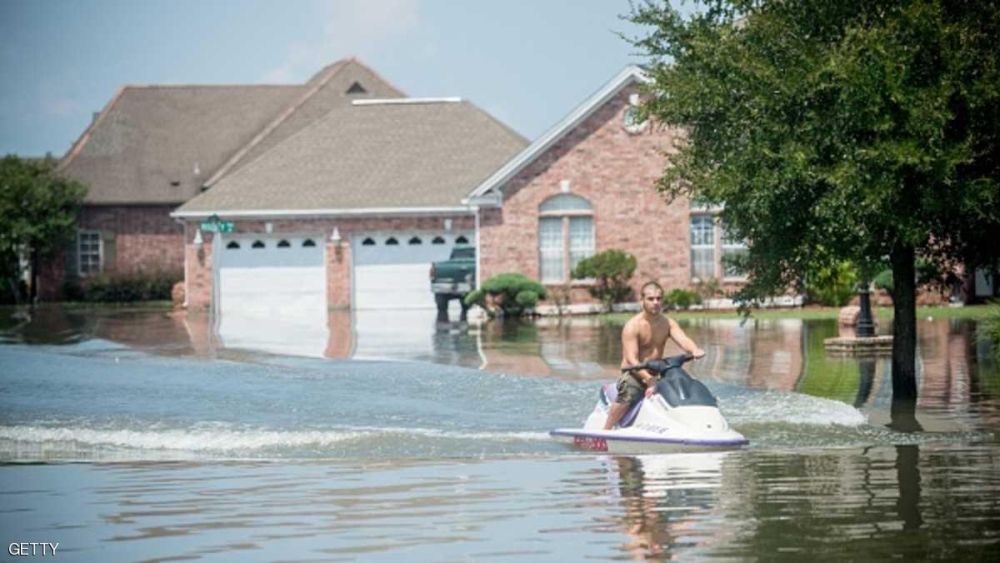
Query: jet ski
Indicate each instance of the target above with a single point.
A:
(682, 415)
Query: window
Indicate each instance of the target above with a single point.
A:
(703, 246)
(368, 242)
(233, 245)
(415, 240)
(565, 236)
(284, 244)
(308, 243)
(437, 240)
(392, 241)
(710, 260)
(89, 252)
(461, 240)
(257, 244)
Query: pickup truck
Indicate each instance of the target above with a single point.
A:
(455, 277)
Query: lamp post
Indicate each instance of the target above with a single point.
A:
(865, 327)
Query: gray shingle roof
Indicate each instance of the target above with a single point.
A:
(147, 144)
(370, 156)
(326, 90)
(150, 137)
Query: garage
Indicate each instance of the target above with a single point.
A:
(390, 270)
(272, 291)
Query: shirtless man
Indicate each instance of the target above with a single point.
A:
(643, 339)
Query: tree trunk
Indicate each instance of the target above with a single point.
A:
(904, 324)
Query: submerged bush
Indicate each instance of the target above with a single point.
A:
(611, 271)
(122, 288)
(511, 293)
(680, 299)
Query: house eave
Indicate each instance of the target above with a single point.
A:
(314, 213)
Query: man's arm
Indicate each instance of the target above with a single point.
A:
(682, 340)
(630, 353)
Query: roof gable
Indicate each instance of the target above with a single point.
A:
(511, 168)
(329, 88)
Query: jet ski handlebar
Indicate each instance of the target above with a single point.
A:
(661, 366)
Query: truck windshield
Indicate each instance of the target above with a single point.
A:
(463, 252)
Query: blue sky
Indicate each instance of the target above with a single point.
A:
(527, 62)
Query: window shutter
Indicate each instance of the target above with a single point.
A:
(108, 251)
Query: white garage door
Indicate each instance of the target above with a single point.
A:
(272, 291)
(391, 269)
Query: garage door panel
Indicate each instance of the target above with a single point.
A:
(397, 276)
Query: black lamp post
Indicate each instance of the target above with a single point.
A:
(866, 327)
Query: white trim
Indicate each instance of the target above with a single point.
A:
(628, 75)
(404, 101)
(262, 214)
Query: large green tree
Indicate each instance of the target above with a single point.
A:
(38, 212)
(847, 130)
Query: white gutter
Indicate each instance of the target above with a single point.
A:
(186, 293)
(281, 213)
(543, 143)
(479, 251)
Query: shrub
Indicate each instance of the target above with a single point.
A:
(680, 299)
(122, 288)
(990, 328)
(611, 270)
(833, 286)
(512, 293)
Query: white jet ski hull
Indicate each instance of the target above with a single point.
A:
(656, 428)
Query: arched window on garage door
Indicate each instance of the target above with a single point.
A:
(233, 245)
(461, 240)
(565, 236)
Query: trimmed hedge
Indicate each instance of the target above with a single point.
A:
(122, 288)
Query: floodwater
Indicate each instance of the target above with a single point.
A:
(132, 434)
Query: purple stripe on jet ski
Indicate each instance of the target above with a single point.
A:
(650, 440)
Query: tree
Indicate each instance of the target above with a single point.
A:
(831, 131)
(38, 212)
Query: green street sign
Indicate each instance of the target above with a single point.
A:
(220, 227)
(215, 225)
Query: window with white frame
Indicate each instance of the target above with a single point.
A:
(88, 252)
(702, 246)
(712, 248)
(565, 236)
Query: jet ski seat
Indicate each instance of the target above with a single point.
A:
(609, 392)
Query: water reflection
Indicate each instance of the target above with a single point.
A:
(957, 372)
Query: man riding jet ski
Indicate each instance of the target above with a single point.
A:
(680, 415)
(644, 339)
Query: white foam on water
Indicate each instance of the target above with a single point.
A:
(750, 407)
(194, 440)
(220, 438)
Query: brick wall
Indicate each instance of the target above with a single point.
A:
(146, 238)
(135, 238)
(614, 170)
(198, 273)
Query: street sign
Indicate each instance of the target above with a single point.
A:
(215, 225)
(220, 227)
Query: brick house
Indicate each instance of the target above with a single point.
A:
(154, 147)
(587, 185)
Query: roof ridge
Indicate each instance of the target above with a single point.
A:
(75, 149)
(270, 128)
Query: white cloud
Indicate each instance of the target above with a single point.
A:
(349, 28)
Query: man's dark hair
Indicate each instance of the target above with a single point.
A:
(642, 291)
